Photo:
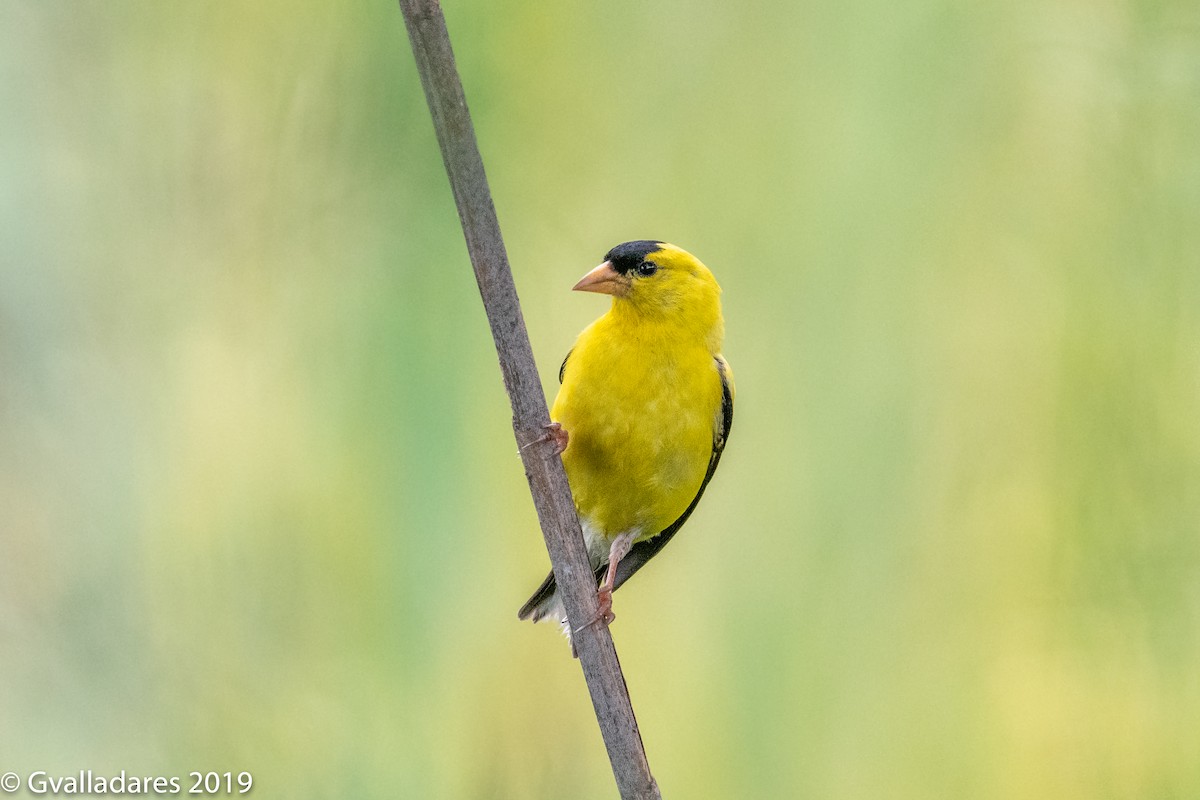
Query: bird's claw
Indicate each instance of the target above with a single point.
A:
(604, 615)
(558, 434)
(554, 433)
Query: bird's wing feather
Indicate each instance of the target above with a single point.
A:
(563, 369)
(645, 550)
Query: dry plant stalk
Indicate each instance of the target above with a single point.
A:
(543, 468)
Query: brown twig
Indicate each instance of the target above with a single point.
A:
(544, 469)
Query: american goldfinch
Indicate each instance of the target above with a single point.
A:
(642, 414)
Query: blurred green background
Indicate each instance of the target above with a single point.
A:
(260, 507)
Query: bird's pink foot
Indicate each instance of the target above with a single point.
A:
(554, 433)
(604, 615)
(558, 434)
(604, 597)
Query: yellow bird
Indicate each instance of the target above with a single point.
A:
(643, 412)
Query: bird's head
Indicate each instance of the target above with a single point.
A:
(656, 279)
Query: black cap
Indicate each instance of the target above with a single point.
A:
(626, 257)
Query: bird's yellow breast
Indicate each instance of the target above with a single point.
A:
(640, 408)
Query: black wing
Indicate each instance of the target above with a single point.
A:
(645, 550)
(562, 370)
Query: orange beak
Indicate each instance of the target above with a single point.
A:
(603, 280)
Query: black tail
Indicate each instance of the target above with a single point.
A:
(538, 606)
(533, 607)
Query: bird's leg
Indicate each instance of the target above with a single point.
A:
(554, 432)
(617, 550)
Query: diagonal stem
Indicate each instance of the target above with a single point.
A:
(544, 470)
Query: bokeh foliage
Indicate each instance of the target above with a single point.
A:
(259, 501)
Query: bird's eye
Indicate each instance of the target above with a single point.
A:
(647, 268)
